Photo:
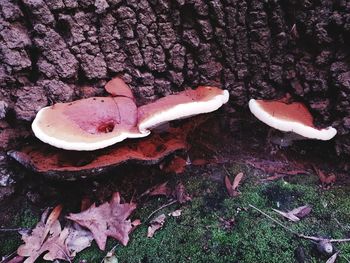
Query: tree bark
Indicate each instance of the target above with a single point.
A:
(61, 50)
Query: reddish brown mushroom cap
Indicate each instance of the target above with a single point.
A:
(182, 105)
(117, 87)
(289, 117)
(87, 124)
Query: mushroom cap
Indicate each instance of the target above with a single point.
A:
(117, 87)
(182, 105)
(87, 124)
(292, 117)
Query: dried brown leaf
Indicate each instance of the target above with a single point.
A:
(161, 189)
(177, 165)
(331, 178)
(45, 237)
(296, 214)
(181, 194)
(302, 211)
(175, 213)
(78, 239)
(108, 219)
(232, 188)
(155, 225)
(333, 258)
(228, 186)
(237, 181)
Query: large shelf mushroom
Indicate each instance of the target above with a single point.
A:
(98, 122)
(289, 117)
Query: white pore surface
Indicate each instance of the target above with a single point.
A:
(80, 146)
(290, 126)
(184, 110)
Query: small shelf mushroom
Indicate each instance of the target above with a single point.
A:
(185, 104)
(289, 117)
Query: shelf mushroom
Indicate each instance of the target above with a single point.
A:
(87, 124)
(289, 117)
(185, 104)
(98, 122)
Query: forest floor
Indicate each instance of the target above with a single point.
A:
(212, 227)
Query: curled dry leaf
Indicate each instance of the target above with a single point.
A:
(45, 237)
(181, 194)
(296, 214)
(160, 189)
(108, 219)
(333, 258)
(78, 239)
(232, 188)
(155, 225)
(175, 213)
(177, 165)
(331, 178)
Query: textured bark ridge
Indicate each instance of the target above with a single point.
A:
(60, 50)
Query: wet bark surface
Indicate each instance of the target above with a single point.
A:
(61, 50)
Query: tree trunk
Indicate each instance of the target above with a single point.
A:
(60, 50)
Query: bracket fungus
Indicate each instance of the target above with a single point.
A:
(185, 104)
(85, 132)
(289, 117)
(98, 122)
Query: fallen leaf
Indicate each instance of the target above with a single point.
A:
(199, 162)
(108, 219)
(331, 178)
(160, 189)
(232, 188)
(333, 258)
(78, 239)
(110, 257)
(175, 213)
(155, 225)
(180, 194)
(45, 237)
(177, 165)
(302, 211)
(296, 214)
(228, 186)
(237, 181)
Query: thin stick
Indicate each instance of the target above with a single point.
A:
(317, 239)
(226, 170)
(160, 208)
(274, 220)
(347, 260)
(12, 229)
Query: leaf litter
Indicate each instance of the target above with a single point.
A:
(232, 188)
(156, 224)
(296, 214)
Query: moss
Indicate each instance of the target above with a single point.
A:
(216, 228)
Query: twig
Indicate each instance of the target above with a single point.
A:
(347, 260)
(274, 220)
(228, 173)
(12, 229)
(160, 208)
(317, 239)
(8, 257)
